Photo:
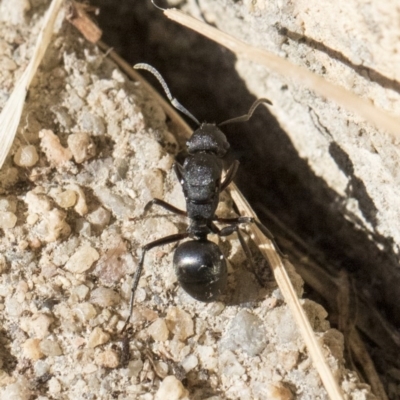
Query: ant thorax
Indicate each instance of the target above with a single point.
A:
(201, 184)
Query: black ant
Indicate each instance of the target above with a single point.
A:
(199, 263)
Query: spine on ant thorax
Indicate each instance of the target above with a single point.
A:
(201, 184)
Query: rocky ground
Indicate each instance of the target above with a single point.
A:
(92, 149)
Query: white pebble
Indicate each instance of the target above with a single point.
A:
(229, 365)
(38, 203)
(39, 325)
(17, 391)
(207, 357)
(82, 259)
(246, 332)
(108, 359)
(51, 146)
(134, 367)
(97, 338)
(54, 386)
(158, 330)
(190, 362)
(41, 367)
(50, 348)
(85, 312)
(66, 198)
(172, 389)
(26, 156)
(7, 220)
(53, 226)
(161, 369)
(99, 217)
(31, 349)
(104, 297)
(13, 307)
(80, 207)
(80, 291)
(7, 205)
(82, 146)
(180, 323)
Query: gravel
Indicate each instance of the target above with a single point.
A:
(66, 264)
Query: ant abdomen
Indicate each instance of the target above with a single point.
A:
(201, 269)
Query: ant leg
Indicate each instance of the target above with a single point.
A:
(235, 228)
(178, 171)
(165, 205)
(263, 229)
(138, 272)
(230, 175)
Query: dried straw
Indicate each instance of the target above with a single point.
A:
(11, 113)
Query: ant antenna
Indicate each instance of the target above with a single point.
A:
(173, 100)
(247, 116)
(156, 6)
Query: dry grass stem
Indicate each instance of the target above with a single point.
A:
(285, 285)
(11, 113)
(380, 118)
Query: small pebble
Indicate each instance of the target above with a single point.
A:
(85, 312)
(18, 390)
(207, 357)
(39, 325)
(190, 362)
(51, 146)
(53, 226)
(38, 203)
(26, 156)
(41, 367)
(229, 365)
(54, 386)
(7, 220)
(82, 146)
(7, 205)
(50, 348)
(80, 207)
(161, 369)
(13, 307)
(92, 123)
(80, 291)
(112, 266)
(82, 259)
(171, 389)
(104, 297)
(89, 368)
(246, 332)
(134, 368)
(107, 359)
(32, 350)
(66, 199)
(97, 338)
(99, 217)
(158, 330)
(180, 323)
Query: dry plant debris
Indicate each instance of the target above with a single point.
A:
(68, 248)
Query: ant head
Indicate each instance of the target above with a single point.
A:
(208, 138)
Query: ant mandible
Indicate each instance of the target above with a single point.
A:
(199, 264)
